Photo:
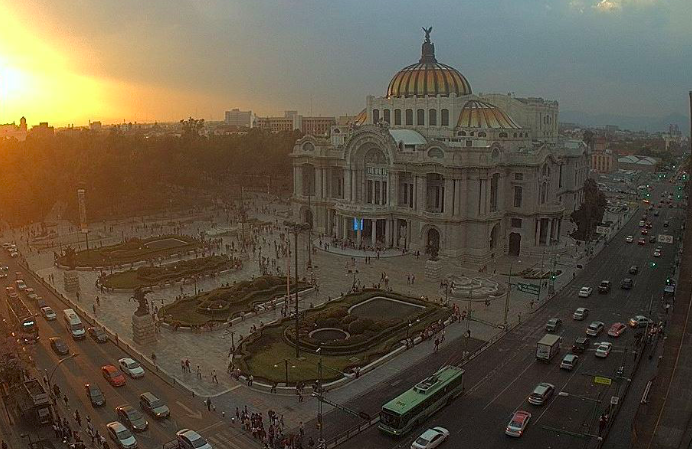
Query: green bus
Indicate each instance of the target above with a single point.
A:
(414, 406)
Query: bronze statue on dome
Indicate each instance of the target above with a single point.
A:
(427, 32)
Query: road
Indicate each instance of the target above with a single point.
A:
(73, 373)
(500, 380)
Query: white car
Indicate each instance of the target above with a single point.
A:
(131, 367)
(48, 313)
(121, 435)
(585, 292)
(14, 254)
(431, 438)
(595, 328)
(603, 349)
(629, 239)
(189, 439)
(657, 252)
(580, 313)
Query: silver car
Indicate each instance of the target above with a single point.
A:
(595, 328)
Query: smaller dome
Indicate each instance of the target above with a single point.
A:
(360, 119)
(479, 114)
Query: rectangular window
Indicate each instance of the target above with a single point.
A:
(397, 117)
(410, 195)
(387, 117)
(377, 192)
(518, 196)
(516, 222)
(432, 117)
(375, 116)
(518, 176)
(384, 192)
(409, 117)
(420, 117)
(444, 118)
(369, 193)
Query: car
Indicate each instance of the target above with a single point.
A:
(113, 375)
(656, 213)
(616, 329)
(627, 284)
(132, 418)
(9, 291)
(634, 269)
(189, 439)
(629, 239)
(652, 239)
(585, 292)
(95, 395)
(649, 225)
(657, 252)
(604, 287)
(518, 423)
(59, 346)
(48, 313)
(40, 302)
(541, 393)
(595, 328)
(28, 291)
(569, 361)
(121, 435)
(581, 344)
(603, 349)
(641, 241)
(666, 223)
(639, 321)
(642, 223)
(14, 254)
(580, 314)
(431, 438)
(553, 324)
(32, 296)
(645, 231)
(154, 406)
(97, 334)
(131, 367)
(21, 286)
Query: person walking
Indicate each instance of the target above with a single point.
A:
(213, 376)
(437, 344)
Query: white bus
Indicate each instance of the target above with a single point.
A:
(74, 324)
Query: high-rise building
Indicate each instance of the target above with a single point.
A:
(241, 119)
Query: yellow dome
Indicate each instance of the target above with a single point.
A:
(479, 114)
(428, 77)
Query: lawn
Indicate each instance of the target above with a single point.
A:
(133, 250)
(148, 276)
(225, 302)
(371, 335)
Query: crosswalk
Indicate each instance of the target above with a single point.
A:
(232, 439)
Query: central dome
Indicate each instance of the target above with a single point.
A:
(428, 78)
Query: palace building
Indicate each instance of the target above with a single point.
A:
(431, 166)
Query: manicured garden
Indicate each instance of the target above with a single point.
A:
(223, 303)
(351, 332)
(172, 272)
(133, 250)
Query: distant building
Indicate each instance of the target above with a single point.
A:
(535, 115)
(95, 126)
(291, 120)
(639, 163)
(41, 130)
(603, 161)
(239, 119)
(12, 131)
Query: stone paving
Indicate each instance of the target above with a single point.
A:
(334, 275)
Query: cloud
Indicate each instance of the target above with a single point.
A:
(608, 5)
(577, 5)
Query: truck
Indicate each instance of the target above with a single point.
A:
(33, 402)
(548, 347)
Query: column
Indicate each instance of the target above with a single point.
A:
(387, 233)
(549, 234)
(373, 234)
(318, 182)
(538, 231)
(359, 237)
(347, 184)
(344, 227)
(421, 194)
(449, 197)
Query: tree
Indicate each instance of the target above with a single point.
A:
(590, 213)
(15, 359)
(192, 128)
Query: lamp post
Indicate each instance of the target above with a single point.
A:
(509, 292)
(52, 373)
(296, 228)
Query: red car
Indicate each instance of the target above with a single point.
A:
(645, 231)
(113, 375)
(642, 241)
(616, 329)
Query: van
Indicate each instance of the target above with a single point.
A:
(74, 324)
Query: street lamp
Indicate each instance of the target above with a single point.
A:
(408, 328)
(285, 368)
(509, 291)
(296, 228)
(52, 373)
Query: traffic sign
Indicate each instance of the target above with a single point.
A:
(602, 380)
(662, 238)
(532, 289)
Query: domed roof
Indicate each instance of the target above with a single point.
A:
(479, 114)
(428, 77)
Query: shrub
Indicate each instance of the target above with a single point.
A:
(348, 319)
(331, 322)
(359, 326)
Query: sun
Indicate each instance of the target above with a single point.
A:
(12, 82)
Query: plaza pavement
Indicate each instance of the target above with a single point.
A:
(210, 350)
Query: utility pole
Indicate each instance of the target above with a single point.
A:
(297, 318)
(509, 292)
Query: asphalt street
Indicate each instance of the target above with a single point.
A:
(500, 380)
(72, 374)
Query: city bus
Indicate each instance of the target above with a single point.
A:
(22, 320)
(414, 406)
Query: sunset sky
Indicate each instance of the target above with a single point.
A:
(73, 61)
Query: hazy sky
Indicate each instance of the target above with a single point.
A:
(70, 61)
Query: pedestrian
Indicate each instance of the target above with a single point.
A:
(213, 376)
(182, 365)
(98, 301)
(67, 401)
(437, 344)
(199, 372)
(93, 307)
(209, 404)
(187, 365)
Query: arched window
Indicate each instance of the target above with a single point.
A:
(420, 117)
(397, 117)
(462, 133)
(387, 116)
(375, 116)
(432, 117)
(482, 134)
(409, 117)
(515, 134)
(503, 135)
(444, 117)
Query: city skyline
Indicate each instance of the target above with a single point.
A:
(111, 63)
